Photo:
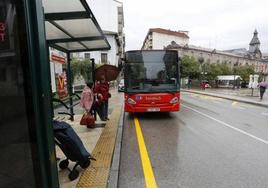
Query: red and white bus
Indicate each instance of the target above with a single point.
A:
(152, 81)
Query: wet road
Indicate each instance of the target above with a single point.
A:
(211, 142)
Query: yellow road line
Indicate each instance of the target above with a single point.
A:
(146, 164)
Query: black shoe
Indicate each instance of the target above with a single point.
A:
(107, 119)
(103, 119)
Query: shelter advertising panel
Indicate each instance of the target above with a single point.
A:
(4, 38)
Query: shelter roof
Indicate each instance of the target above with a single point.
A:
(72, 27)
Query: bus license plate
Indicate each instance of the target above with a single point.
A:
(153, 109)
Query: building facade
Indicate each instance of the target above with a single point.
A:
(211, 56)
(110, 16)
(158, 38)
(163, 39)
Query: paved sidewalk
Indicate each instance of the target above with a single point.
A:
(240, 95)
(92, 138)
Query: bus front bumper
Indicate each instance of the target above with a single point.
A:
(137, 108)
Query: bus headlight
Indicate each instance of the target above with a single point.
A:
(174, 100)
(131, 101)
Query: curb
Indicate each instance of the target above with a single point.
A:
(227, 97)
(114, 170)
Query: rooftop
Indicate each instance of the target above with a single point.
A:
(169, 32)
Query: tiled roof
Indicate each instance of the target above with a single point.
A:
(169, 32)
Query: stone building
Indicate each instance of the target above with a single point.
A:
(254, 47)
(215, 56)
(234, 57)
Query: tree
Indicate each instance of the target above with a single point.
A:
(225, 69)
(245, 71)
(81, 68)
(189, 67)
(213, 70)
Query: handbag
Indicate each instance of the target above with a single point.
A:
(88, 120)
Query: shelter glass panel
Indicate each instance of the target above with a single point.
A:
(71, 45)
(18, 145)
(56, 6)
(80, 27)
(54, 33)
(94, 44)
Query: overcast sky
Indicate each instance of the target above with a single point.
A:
(220, 24)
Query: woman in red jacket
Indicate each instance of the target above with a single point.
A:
(102, 88)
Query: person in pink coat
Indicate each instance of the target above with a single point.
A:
(87, 97)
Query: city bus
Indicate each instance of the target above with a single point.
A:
(152, 81)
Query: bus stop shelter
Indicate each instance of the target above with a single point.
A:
(27, 28)
(71, 27)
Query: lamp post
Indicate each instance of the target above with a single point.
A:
(201, 61)
(234, 71)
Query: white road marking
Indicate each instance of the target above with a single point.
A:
(227, 125)
(264, 113)
(235, 105)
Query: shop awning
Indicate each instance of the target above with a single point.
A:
(72, 27)
(229, 77)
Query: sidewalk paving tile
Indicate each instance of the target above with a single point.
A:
(90, 138)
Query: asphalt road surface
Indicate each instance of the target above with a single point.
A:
(211, 142)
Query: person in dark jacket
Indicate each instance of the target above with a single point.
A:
(262, 86)
(102, 88)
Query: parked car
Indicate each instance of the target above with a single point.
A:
(121, 86)
(205, 84)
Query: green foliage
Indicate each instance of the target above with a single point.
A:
(81, 67)
(225, 69)
(244, 71)
(189, 67)
(213, 70)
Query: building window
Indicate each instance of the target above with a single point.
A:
(87, 56)
(104, 58)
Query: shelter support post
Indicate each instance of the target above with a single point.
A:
(69, 85)
(93, 79)
(51, 92)
(93, 70)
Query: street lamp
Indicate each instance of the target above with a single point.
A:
(201, 61)
(234, 71)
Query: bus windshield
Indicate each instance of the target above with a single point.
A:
(151, 71)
